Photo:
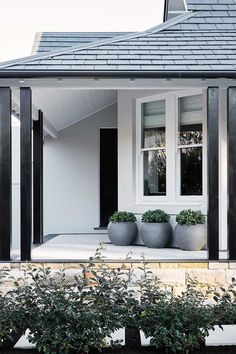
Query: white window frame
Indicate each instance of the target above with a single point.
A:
(172, 148)
(140, 150)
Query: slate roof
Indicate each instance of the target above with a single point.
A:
(202, 40)
(50, 41)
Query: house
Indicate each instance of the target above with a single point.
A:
(131, 121)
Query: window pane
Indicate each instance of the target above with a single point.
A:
(191, 171)
(153, 124)
(154, 172)
(190, 120)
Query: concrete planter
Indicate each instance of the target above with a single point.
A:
(190, 237)
(224, 337)
(156, 235)
(122, 233)
(218, 337)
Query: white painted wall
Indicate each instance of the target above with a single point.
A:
(127, 163)
(71, 175)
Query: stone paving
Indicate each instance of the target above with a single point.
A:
(82, 246)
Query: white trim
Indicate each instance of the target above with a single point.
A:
(153, 149)
(172, 196)
(140, 198)
(185, 5)
(178, 195)
(189, 146)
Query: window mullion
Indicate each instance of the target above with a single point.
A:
(154, 149)
(189, 146)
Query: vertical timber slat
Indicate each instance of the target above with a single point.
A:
(38, 178)
(26, 172)
(5, 174)
(232, 172)
(213, 172)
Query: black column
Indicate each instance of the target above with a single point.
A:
(213, 172)
(26, 172)
(38, 178)
(232, 172)
(5, 174)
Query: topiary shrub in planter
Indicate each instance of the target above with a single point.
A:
(224, 316)
(122, 229)
(174, 324)
(13, 318)
(190, 233)
(156, 231)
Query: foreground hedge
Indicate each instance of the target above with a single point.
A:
(76, 314)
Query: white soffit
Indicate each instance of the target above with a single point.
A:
(64, 107)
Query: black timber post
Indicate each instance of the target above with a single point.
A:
(232, 172)
(5, 174)
(38, 179)
(213, 172)
(26, 172)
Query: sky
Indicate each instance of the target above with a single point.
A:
(20, 19)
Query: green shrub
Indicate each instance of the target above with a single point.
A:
(155, 216)
(190, 217)
(13, 318)
(122, 216)
(225, 305)
(71, 314)
(176, 324)
(78, 314)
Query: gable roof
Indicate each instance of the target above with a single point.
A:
(211, 5)
(202, 40)
(50, 41)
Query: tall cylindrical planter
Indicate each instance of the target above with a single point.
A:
(190, 237)
(156, 235)
(122, 233)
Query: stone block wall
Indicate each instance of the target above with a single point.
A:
(172, 275)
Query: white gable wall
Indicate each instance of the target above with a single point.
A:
(71, 175)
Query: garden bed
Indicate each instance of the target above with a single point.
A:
(207, 350)
(99, 306)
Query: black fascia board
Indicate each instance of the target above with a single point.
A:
(117, 74)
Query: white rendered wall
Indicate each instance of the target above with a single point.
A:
(71, 175)
(127, 162)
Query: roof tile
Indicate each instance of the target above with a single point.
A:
(204, 40)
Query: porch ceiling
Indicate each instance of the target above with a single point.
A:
(65, 107)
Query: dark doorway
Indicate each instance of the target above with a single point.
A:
(108, 174)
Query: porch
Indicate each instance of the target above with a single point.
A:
(74, 247)
(66, 195)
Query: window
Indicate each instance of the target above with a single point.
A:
(153, 148)
(190, 139)
(170, 147)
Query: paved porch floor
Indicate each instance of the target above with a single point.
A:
(82, 246)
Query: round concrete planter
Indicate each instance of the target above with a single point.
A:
(190, 237)
(156, 235)
(122, 233)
